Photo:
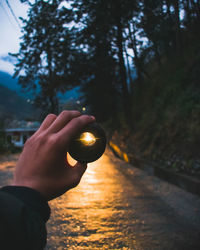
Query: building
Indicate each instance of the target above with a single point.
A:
(20, 131)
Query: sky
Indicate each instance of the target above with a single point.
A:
(10, 32)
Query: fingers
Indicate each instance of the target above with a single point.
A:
(62, 120)
(47, 122)
(73, 127)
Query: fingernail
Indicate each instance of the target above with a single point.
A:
(93, 118)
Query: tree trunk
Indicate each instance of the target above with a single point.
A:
(122, 72)
(129, 72)
(169, 43)
(196, 8)
(53, 104)
(53, 101)
(168, 8)
(188, 12)
(177, 26)
(158, 57)
(136, 58)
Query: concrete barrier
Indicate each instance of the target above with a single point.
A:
(188, 183)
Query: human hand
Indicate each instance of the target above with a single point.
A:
(43, 165)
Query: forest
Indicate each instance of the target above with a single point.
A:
(137, 64)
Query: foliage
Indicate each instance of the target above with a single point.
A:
(47, 57)
(99, 44)
(169, 108)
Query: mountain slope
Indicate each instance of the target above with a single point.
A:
(14, 106)
(9, 82)
(166, 115)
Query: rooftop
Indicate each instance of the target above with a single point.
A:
(18, 126)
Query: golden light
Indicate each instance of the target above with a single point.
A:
(71, 160)
(87, 138)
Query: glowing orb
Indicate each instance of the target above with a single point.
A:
(87, 138)
(88, 144)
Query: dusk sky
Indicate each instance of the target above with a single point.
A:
(10, 31)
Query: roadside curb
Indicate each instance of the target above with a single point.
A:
(183, 181)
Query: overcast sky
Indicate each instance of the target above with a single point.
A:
(10, 31)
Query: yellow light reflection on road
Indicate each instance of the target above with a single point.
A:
(94, 212)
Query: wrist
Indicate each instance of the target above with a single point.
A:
(29, 184)
(31, 198)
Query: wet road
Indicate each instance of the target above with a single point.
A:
(117, 206)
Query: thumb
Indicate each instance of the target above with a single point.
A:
(80, 168)
(73, 175)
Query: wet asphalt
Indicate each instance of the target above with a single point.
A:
(117, 206)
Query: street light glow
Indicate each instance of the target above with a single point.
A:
(87, 138)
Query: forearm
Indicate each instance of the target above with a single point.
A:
(23, 214)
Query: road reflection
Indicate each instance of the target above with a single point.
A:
(94, 214)
(117, 206)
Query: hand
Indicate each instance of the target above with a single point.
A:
(43, 165)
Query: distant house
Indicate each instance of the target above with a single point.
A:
(19, 131)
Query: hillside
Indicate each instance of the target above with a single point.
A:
(12, 83)
(13, 100)
(14, 106)
(9, 82)
(166, 115)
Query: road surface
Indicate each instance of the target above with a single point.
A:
(117, 206)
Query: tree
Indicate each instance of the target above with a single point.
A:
(90, 44)
(46, 53)
(103, 32)
(95, 37)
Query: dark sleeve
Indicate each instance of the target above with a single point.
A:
(23, 216)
